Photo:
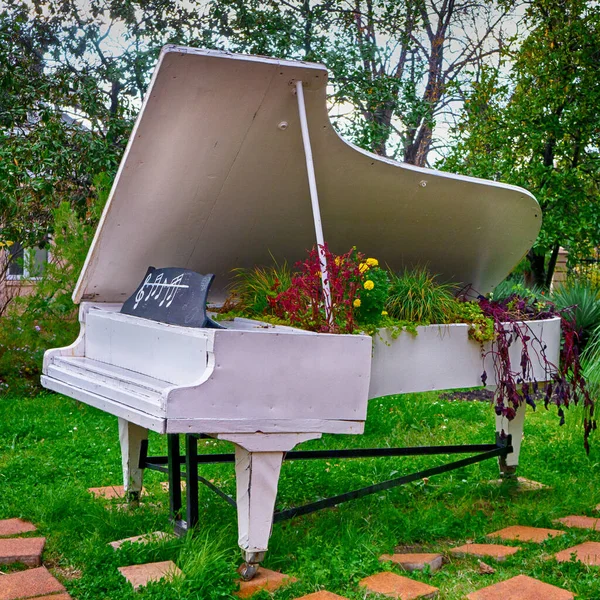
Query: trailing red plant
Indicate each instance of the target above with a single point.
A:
(303, 304)
(565, 382)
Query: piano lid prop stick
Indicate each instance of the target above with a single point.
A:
(314, 198)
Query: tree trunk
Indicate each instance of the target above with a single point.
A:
(552, 265)
(537, 275)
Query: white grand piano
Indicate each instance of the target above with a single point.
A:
(232, 159)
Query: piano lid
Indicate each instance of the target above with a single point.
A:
(214, 177)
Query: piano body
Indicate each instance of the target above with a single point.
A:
(215, 176)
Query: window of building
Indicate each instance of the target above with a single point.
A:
(26, 263)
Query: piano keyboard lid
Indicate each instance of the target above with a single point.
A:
(214, 177)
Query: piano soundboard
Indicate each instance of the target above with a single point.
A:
(217, 175)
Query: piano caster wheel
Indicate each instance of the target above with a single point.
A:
(247, 571)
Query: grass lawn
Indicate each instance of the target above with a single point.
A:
(52, 449)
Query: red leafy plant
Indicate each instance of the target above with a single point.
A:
(565, 383)
(303, 303)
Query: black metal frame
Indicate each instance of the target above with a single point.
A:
(192, 459)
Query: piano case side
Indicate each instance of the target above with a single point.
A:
(277, 382)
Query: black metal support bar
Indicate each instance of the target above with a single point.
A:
(386, 485)
(192, 459)
(191, 489)
(218, 491)
(342, 454)
(174, 472)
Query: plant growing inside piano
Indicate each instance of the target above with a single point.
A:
(415, 295)
(566, 383)
(252, 288)
(303, 305)
(359, 290)
(372, 295)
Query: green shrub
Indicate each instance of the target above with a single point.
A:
(48, 317)
(416, 296)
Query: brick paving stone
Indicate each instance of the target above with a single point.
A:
(15, 527)
(23, 550)
(588, 553)
(322, 595)
(396, 586)
(141, 575)
(521, 533)
(495, 551)
(415, 561)
(54, 597)
(29, 584)
(521, 587)
(580, 522)
(146, 538)
(265, 579)
(110, 492)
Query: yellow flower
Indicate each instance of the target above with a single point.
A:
(384, 313)
(9, 244)
(338, 261)
(369, 285)
(372, 262)
(363, 267)
(357, 303)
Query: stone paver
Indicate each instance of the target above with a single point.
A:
(522, 484)
(580, 522)
(15, 527)
(495, 551)
(396, 586)
(587, 553)
(29, 584)
(322, 595)
(265, 579)
(54, 597)
(521, 533)
(23, 550)
(146, 538)
(141, 575)
(521, 587)
(110, 492)
(415, 561)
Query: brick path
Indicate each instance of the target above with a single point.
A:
(34, 583)
(37, 583)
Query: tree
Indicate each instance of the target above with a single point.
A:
(542, 131)
(56, 132)
(396, 66)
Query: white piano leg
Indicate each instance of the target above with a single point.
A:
(257, 476)
(509, 464)
(258, 459)
(131, 437)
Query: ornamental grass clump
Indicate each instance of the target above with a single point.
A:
(417, 297)
(252, 288)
